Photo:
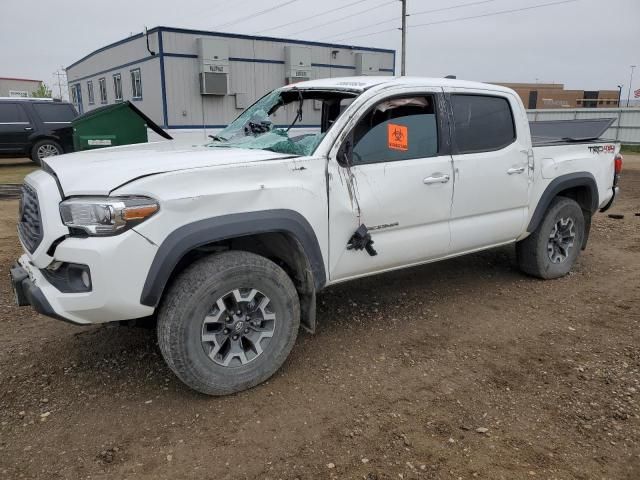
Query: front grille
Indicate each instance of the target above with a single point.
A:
(30, 222)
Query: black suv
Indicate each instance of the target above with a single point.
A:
(28, 127)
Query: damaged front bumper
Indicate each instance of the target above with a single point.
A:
(27, 293)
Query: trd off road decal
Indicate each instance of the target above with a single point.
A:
(602, 148)
(397, 137)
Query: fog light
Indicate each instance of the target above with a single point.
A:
(68, 277)
(86, 280)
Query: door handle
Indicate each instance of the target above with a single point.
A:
(28, 129)
(511, 171)
(439, 179)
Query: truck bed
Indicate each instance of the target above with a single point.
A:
(558, 132)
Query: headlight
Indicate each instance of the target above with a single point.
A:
(102, 216)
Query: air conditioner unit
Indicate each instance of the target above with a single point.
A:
(213, 56)
(212, 83)
(297, 64)
(367, 64)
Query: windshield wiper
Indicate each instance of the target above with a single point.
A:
(299, 114)
(217, 138)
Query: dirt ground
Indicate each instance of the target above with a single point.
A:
(457, 370)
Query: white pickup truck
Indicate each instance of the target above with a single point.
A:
(227, 244)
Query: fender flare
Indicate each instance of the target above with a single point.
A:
(200, 233)
(557, 185)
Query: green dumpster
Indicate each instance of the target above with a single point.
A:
(118, 124)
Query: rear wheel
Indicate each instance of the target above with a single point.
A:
(552, 249)
(43, 149)
(228, 322)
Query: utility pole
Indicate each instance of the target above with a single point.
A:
(630, 81)
(403, 64)
(59, 74)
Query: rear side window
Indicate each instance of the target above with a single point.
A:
(482, 123)
(54, 112)
(400, 128)
(12, 113)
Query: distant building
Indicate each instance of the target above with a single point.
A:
(18, 87)
(190, 79)
(553, 95)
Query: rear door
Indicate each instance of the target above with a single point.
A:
(399, 184)
(490, 159)
(54, 115)
(15, 127)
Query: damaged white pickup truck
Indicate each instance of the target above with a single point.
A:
(227, 244)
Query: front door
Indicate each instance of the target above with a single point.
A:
(15, 127)
(492, 174)
(76, 98)
(393, 174)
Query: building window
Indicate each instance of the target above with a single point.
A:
(102, 84)
(136, 84)
(117, 87)
(91, 97)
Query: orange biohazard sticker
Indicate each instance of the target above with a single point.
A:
(397, 137)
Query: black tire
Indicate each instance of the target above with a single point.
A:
(533, 253)
(45, 144)
(193, 296)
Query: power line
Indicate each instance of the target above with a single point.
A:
(312, 16)
(452, 7)
(201, 13)
(422, 12)
(500, 12)
(387, 2)
(257, 14)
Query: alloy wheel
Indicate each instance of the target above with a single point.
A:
(561, 240)
(238, 327)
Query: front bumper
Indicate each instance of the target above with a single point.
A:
(26, 293)
(118, 267)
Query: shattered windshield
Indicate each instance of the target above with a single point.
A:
(290, 121)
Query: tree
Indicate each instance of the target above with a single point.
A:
(43, 91)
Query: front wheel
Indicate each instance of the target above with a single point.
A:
(552, 249)
(228, 322)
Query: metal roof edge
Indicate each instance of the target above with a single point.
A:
(228, 35)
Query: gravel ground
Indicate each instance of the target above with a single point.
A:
(456, 370)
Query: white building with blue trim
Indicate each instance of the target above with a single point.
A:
(192, 79)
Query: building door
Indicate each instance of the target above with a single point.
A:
(76, 97)
(533, 99)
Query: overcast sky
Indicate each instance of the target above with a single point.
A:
(586, 44)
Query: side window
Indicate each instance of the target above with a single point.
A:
(54, 112)
(400, 128)
(12, 113)
(482, 123)
(117, 87)
(92, 99)
(102, 84)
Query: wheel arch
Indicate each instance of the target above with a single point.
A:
(579, 186)
(282, 235)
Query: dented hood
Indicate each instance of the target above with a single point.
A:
(98, 172)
